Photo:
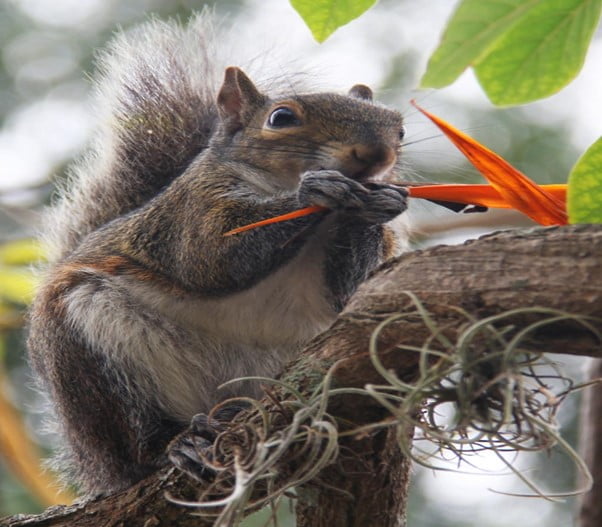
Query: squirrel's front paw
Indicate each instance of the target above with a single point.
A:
(373, 203)
(330, 189)
(383, 202)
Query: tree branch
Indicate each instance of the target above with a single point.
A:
(553, 268)
(591, 448)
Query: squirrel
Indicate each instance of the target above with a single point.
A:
(145, 308)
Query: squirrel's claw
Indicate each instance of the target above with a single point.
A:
(191, 450)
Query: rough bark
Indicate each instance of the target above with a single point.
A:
(556, 268)
(591, 449)
(378, 483)
(143, 505)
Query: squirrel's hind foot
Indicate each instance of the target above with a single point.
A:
(192, 450)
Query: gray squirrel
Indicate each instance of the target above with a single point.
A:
(145, 308)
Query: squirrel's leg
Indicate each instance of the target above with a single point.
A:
(83, 328)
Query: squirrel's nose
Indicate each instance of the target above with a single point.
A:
(373, 158)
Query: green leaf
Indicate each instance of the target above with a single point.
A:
(21, 252)
(17, 285)
(323, 17)
(584, 196)
(473, 28)
(541, 53)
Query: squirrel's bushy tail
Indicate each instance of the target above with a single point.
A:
(155, 107)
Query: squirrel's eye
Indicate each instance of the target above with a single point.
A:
(402, 133)
(282, 117)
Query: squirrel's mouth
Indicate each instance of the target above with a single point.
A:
(362, 176)
(374, 173)
(370, 175)
(369, 163)
(363, 172)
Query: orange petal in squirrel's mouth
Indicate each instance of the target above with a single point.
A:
(277, 219)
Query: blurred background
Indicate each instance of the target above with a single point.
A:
(46, 60)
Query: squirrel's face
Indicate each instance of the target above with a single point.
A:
(288, 137)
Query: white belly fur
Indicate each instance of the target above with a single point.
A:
(253, 332)
(287, 308)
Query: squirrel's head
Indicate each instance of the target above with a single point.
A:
(288, 136)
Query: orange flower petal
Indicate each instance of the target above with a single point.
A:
(485, 195)
(513, 186)
(277, 219)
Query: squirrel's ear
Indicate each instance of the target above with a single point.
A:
(237, 96)
(361, 91)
